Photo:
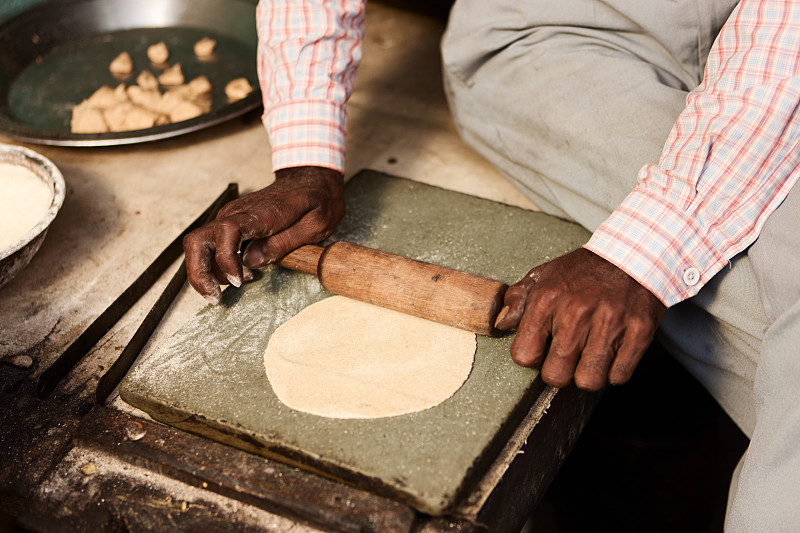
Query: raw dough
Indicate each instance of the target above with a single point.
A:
(158, 53)
(150, 100)
(87, 119)
(237, 89)
(184, 110)
(147, 81)
(204, 47)
(122, 65)
(106, 97)
(172, 76)
(341, 358)
(128, 116)
(25, 200)
(200, 85)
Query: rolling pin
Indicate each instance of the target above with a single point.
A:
(425, 290)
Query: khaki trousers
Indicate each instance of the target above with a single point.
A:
(569, 100)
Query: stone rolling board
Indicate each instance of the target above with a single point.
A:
(210, 378)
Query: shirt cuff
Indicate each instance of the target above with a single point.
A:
(660, 246)
(307, 133)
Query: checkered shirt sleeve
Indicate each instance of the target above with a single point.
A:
(308, 54)
(730, 160)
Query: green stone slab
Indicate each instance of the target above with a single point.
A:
(210, 378)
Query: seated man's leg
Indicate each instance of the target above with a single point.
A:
(570, 99)
(765, 496)
(569, 102)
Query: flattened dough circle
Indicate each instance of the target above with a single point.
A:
(341, 358)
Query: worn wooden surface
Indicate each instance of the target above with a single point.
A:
(119, 472)
(235, 474)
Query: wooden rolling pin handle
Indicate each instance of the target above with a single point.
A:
(304, 259)
(433, 292)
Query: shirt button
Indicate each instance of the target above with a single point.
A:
(691, 276)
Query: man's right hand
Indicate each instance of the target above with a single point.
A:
(302, 206)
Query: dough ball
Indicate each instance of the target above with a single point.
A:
(122, 65)
(173, 98)
(120, 92)
(150, 99)
(204, 101)
(199, 85)
(237, 89)
(87, 119)
(115, 116)
(106, 97)
(147, 80)
(172, 76)
(158, 53)
(89, 115)
(139, 118)
(204, 47)
(128, 116)
(185, 110)
(182, 92)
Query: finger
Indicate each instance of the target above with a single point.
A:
(624, 363)
(570, 331)
(514, 304)
(591, 373)
(228, 235)
(602, 342)
(559, 366)
(199, 249)
(531, 341)
(307, 230)
(218, 274)
(638, 336)
(247, 273)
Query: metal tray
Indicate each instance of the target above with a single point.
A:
(56, 54)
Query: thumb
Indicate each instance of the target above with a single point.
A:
(514, 305)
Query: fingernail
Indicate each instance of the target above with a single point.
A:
(236, 281)
(501, 315)
(213, 300)
(248, 274)
(253, 257)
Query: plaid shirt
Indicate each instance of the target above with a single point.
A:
(307, 59)
(730, 160)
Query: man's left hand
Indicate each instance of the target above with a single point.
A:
(580, 317)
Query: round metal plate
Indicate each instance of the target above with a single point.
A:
(56, 54)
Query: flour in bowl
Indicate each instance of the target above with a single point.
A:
(24, 200)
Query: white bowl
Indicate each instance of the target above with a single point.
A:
(14, 257)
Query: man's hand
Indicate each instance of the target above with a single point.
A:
(580, 316)
(302, 206)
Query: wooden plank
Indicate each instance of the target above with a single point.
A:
(536, 462)
(240, 475)
(94, 491)
(35, 434)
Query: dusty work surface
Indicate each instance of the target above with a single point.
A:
(210, 377)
